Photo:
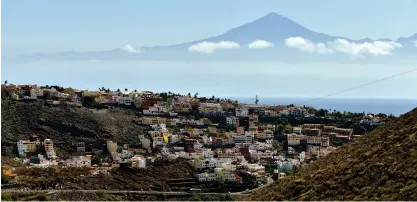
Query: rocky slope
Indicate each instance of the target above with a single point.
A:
(65, 125)
(154, 177)
(378, 166)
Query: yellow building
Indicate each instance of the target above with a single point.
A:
(111, 146)
(6, 170)
(14, 96)
(7, 173)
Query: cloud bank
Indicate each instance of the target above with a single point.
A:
(210, 47)
(377, 48)
(258, 44)
(128, 48)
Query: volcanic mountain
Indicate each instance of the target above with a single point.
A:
(271, 37)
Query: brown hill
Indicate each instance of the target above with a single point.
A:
(64, 125)
(378, 166)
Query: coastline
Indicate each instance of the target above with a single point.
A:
(369, 105)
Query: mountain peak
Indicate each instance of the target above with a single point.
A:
(272, 16)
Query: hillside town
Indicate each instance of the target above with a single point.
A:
(224, 141)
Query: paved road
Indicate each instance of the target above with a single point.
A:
(269, 181)
(113, 191)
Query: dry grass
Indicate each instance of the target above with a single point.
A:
(378, 166)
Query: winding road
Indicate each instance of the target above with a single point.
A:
(269, 181)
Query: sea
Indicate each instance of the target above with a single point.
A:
(395, 107)
(360, 87)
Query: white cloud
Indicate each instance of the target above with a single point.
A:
(260, 44)
(307, 46)
(415, 43)
(210, 47)
(130, 49)
(377, 48)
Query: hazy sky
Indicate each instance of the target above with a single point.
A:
(222, 79)
(53, 26)
(44, 26)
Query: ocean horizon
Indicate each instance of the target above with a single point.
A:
(367, 105)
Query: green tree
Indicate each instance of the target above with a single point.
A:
(228, 197)
(100, 193)
(5, 82)
(321, 112)
(125, 89)
(194, 197)
(277, 146)
(6, 197)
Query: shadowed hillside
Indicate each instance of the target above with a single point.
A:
(378, 166)
(64, 125)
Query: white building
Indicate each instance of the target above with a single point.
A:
(155, 110)
(231, 120)
(126, 154)
(205, 177)
(35, 93)
(257, 154)
(79, 161)
(294, 139)
(207, 153)
(297, 111)
(224, 174)
(297, 130)
(138, 161)
(302, 156)
(124, 101)
(25, 146)
(243, 140)
(62, 95)
(269, 134)
(242, 112)
(197, 146)
(49, 148)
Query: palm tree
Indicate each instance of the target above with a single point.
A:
(5, 82)
(125, 89)
(118, 90)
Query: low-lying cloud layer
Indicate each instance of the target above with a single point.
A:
(210, 47)
(377, 48)
(128, 48)
(258, 44)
